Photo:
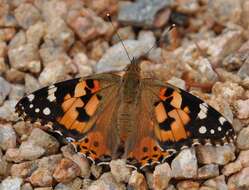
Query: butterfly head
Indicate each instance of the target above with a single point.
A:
(134, 66)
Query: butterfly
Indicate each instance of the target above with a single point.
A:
(144, 120)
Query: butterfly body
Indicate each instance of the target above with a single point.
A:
(147, 119)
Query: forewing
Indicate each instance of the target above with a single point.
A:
(75, 109)
(185, 120)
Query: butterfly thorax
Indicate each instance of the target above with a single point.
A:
(130, 94)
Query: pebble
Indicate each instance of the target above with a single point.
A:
(3, 49)
(161, 176)
(25, 57)
(217, 183)
(115, 58)
(7, 137)
(96, 170)
(142, 12)
(40, 138)
(26, 151)
(42, 177)
(14, 75)
(82, 63)
(187, 6)
(31, 83)
(18, 40)
(185, 164)
(76, 184)
(120, 171)
(224, 11)
(228, 91)
(66, 171)
(7, 111)
(6, 34)
(125, 33)
(3, 66)
(11, 183)
(4, 90)
(215, 155)
(243, 71)
(82, 162)
(243, 139)
(106, 182)
(53, 72)
(87, 25)
(239, 180)
(185, 185)
(23, 169)
(242, 108)
(26, 15)
(4, 166)
(58, 32)
(17, 92)
(243, 158)
(231, 168)
(137, 181)
(35, 33)
(208, 171)
(26, 186)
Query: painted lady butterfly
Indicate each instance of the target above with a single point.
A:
(145, 118)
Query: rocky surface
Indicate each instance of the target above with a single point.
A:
(43, 42)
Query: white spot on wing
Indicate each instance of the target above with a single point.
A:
(219, 128)
(51, 90)
(202, 129)
(37, 110)
(46, 111)
(31, 97)
(203, 111)
(222, 120)
(212, 131)
(31, 106)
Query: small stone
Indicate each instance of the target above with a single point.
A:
(41, 177)
(4, 90)
(225, 10)
(177, 82)
(27, 151)
(66, 171)
(7, 19)
(26, 15)
(11, 183)
(243, 158)
(7, 137)
(53, 72)
(103, 6)
(31, 84)
(26, 186)
(137, 181)
(43, 188)
(125, 33)
(208, 171)
(215, 155)
(171, 187)
(228, 91)
(120, 171)
(4, 166)
(76, 184)
(239, 180)
(6, 34)
(3, 49)
(217, 183)
(59, 33)
(23, 169)
(40, 138)
(82, 162)
(185, 164)
(141, 12)
(14, 75)
(106, 182)
(82, 62)
(243, 71)
(115, 58)
(161, 176)
(232, 62)
(185, 185)
(97, 49)
(187, 6)
(25, 58)
(231, 168)
(87, 25)
(7, 111)
(207, 188)
(35, 33)
(3, 66)
(242, 109)
(243, 139)
(96, 170)
(18, 40)
(17, 92)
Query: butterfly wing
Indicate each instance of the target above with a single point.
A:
(77, 110)
(174, 119)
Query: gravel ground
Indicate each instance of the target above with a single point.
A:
(207, 54)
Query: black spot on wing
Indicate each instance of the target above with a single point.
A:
(169, 91)
(165, 125)
(86, 97)
(83, 116)
(89, 83)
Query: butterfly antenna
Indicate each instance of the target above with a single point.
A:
(166, 32)
(110, 20)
